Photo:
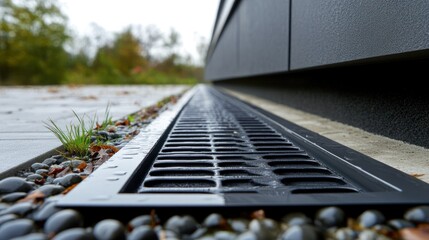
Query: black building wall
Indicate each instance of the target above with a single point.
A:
(270, 36)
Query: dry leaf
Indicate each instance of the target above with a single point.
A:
(112, 149)
(81, 166)
(94, 148)
(39, 181)
(260, 214)
(69, 188)
(97, 126)
(53, 90)
(417, 174)
(103, 156)
(34, 197)
(89, 168)
(419, 233)
(124, 122)
(89, 97)
(64, 172)
(55, 169)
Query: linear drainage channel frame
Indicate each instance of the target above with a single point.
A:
(211, 149)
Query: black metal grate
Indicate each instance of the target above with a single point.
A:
(216, 146)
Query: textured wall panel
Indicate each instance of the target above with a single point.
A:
(264, 36)
(224, 61)
(334, 31)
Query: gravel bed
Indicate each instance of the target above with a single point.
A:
(28, 211)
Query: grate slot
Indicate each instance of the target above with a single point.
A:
(324, 190)
(302, 171)
(241, 183)
(237, 173)
(175, 157)
(291, 163)
(182, 164)
(313, 181)
(179, 183)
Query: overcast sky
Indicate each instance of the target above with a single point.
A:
(191, 18)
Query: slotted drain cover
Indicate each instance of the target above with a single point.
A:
(243, 154)
(219, 151)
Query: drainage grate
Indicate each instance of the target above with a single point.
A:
(214, 150)
(218, 147)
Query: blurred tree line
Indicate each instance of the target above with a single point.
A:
(34, 38)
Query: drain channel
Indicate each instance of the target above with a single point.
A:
(214, 150)
(216, 146)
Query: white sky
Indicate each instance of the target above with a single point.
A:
(193, 19)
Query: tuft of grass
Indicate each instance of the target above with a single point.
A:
(107, 119)
(76, 138)
(131, 118)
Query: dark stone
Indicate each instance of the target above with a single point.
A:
(248, 236)
(34, 177)
(300, 232)
(140, 221)
(109, 229)
(103, 134)
(368, 235)
(370, 218)
(68, 180)
(49, 161)
(49, 180)
(264, 228)
(239, 225)
(214, 220)
(418, 214)
(345, 234)
(8, 217)
(20, 209)
(61, 221)
(3, 206)
(37, 166)
(16, 228)
(74, 234)
(14, 184)
(24, 174)
(181, 225)
(399, 224)
(199, 233)
(171, 235)
(114, 135)
(384, 229)
(13, 197)
(32, 236)
(72, 163)
(60, 159)
(225, 235)
(330, 217)
(45, 211)
(51, 189)
(42, 172)
(143, 233)
(296, 219)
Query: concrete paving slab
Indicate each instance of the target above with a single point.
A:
(14, 154)
(23, 136)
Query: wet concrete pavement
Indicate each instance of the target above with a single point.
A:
(23, 136)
